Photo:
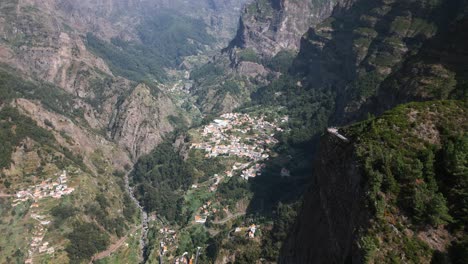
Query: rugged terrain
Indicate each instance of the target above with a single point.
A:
(175, 130)
(394, 55)
(270, 26)
(267, 40)
(373, 199)
(60, 42)
(67, 108)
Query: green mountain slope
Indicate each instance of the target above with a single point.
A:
(396, 192)
(50, 187)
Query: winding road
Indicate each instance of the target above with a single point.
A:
(228, 218)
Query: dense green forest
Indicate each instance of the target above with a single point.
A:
(281, 62)
(407, 170)
(162, 177)
(166, 38)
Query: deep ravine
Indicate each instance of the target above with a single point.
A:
(144, 221)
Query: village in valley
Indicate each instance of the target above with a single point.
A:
(247, 142)
(240, 135)
(236, 135)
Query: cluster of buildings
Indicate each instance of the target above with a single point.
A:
(169, 237)
(184, 259)
(37, 244)
(47, 188)
(250, 230)
(255, 170)
(205, 211)
(216, 181)
(239, 135)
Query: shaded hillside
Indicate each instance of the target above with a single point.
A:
(366, 47)
(384, 196)
(396, 192)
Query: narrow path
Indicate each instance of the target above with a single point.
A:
(6, 195)
(228, 218)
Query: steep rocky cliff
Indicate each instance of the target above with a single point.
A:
(438, 71)
(221, 16)
(48, 41)
(142, 119)
(72, 125)
(269, 26)
(368, 45)
(387, 193)
(333, 209)
(39, 42)
(86, 89)
(267, 40)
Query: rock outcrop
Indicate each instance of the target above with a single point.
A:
(269, 26)
(369, 200)
(141, 120)
(41, 43)
(376, 55)
(333, 209)
(46, 41)
(269, 31)
(364, 44)
(84, 142)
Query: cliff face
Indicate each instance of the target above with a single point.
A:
(366, 43)
(65, 110)
(221, 16)
(42, 41)
(39, 42)
(267, 40)
(46, 41)
(269, 26)
(364, 203)
(438, 71)
(46, 38)
(333, 209)
(142, 119)
(388, 193)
